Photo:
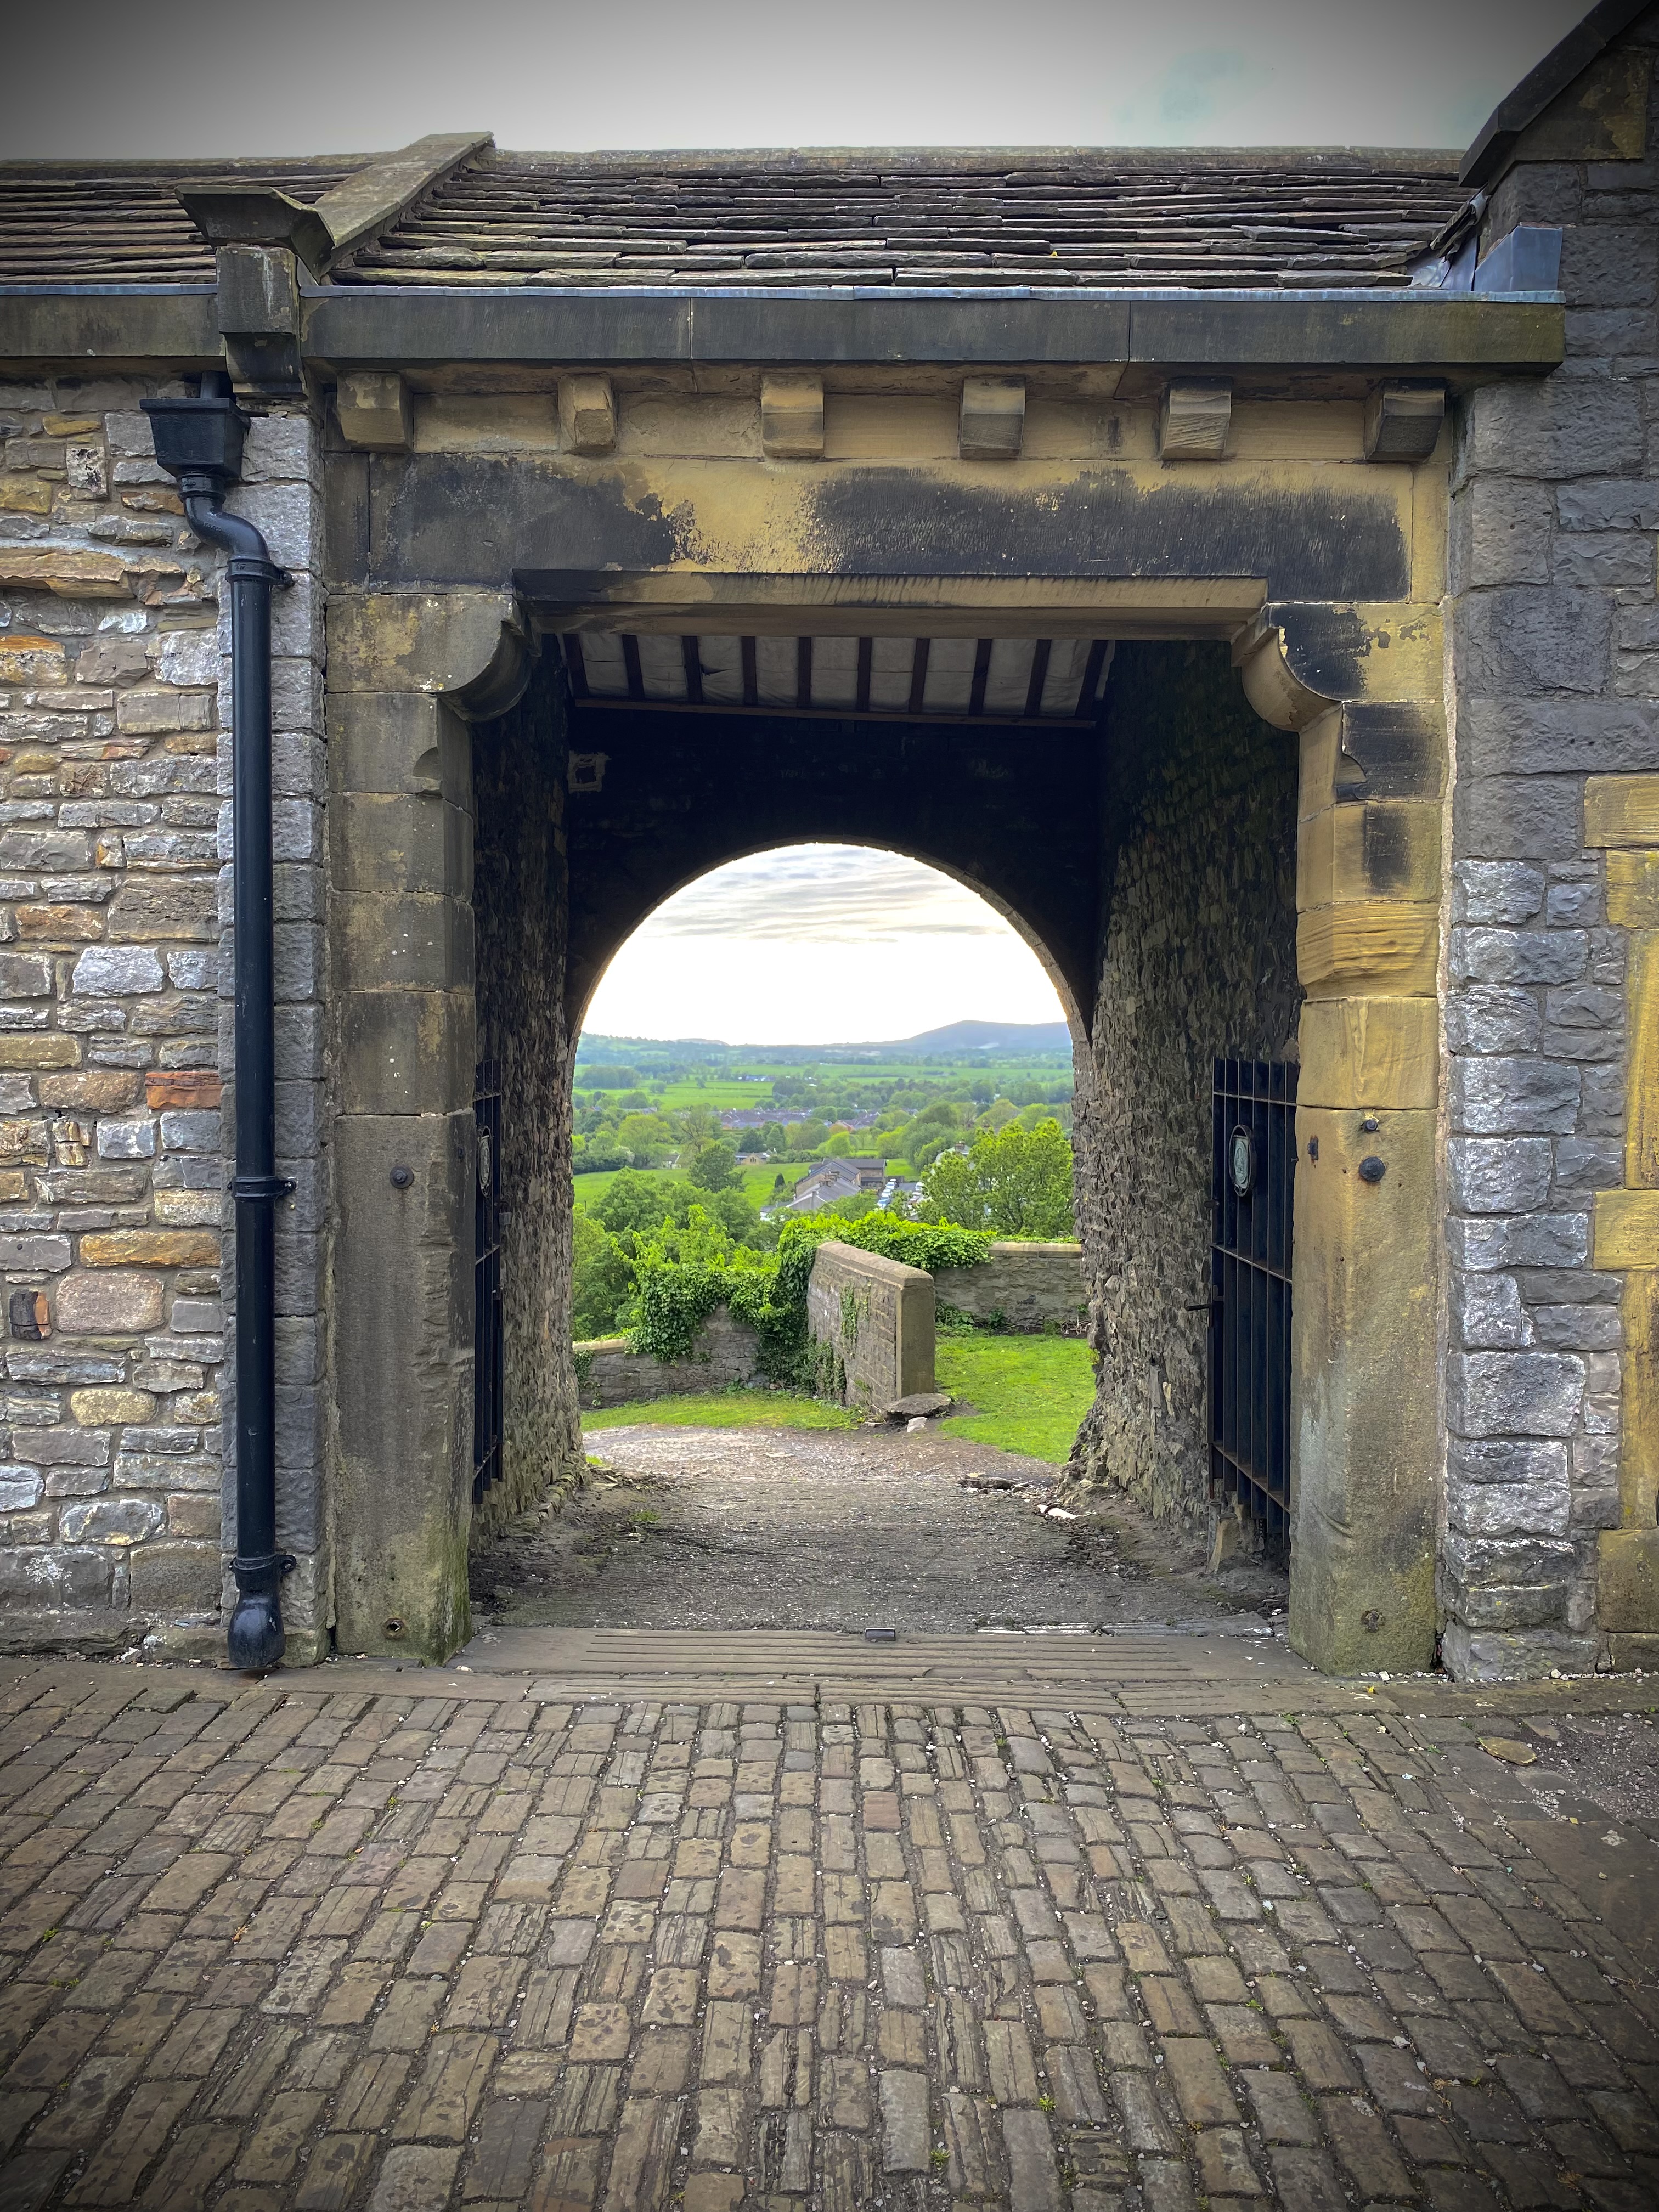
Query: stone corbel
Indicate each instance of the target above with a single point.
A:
(257, 307)
(470, 649)
(1263, 656)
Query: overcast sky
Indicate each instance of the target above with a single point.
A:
(304, 76)
(820, 945)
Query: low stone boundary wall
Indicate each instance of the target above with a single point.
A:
(875, 1317)
(609, 1374)
(1029, 1285)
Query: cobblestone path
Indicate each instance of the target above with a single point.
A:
(383, 1940)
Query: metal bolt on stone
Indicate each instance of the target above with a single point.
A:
(199, 443)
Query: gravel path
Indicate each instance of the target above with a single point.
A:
(800, 1529)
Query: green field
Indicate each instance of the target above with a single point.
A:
(1031, 1392)
(716, 1095)
(727, 1409)
(756, 1183)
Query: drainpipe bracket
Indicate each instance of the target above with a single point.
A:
(266, 1189)
(257, 1572)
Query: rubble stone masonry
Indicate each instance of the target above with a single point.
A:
(114, 1018)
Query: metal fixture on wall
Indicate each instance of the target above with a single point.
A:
(199, 443)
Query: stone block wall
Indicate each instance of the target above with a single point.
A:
(726, 1352)
(1198, 959)
(1555, 662)
(1029, 1285)
(112, 966)
(872, 1321)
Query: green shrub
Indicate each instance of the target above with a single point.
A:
(680, 1275)
(600, 1278)
(1012, 1181)
(665, 1280)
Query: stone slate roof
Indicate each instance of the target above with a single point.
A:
(120, 222)
(1308, 219)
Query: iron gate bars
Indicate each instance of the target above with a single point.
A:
(488, 1347)
(1253, 1170)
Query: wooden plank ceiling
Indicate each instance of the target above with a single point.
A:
(1008, 679)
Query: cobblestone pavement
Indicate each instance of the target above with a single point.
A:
(408, 1941)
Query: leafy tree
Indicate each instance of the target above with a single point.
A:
(732, 1209)
(751, 1141)
(1013, 1181)
(599, 1279)
(807, 1136)
(1033, 1117)
(998, 1114)
(773, 1138)
(713, 1166)
(648, 1136)
(839, 1146)
(697, 1124)
(637, 1202)
(923, 1138)
(599, 1154)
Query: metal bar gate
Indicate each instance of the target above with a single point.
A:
(488, 1350)
(1253, 1170)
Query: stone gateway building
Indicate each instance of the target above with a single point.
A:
(1239, 567)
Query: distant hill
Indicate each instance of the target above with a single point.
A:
(1048, 1038)
(988, 1036)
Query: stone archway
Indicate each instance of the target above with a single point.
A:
(1360, 687)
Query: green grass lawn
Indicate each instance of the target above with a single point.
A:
(1032, 1391)
(727, 1409)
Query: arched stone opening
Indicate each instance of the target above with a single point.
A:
(1148, 856)
(583, 815)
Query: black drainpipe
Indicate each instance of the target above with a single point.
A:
(199, 443)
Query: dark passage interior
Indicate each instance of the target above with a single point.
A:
(1145, 848)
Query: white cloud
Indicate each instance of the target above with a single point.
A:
(819, 945)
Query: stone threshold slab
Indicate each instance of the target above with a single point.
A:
(1155, 1676)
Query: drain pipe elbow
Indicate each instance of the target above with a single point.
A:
(199, 443)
